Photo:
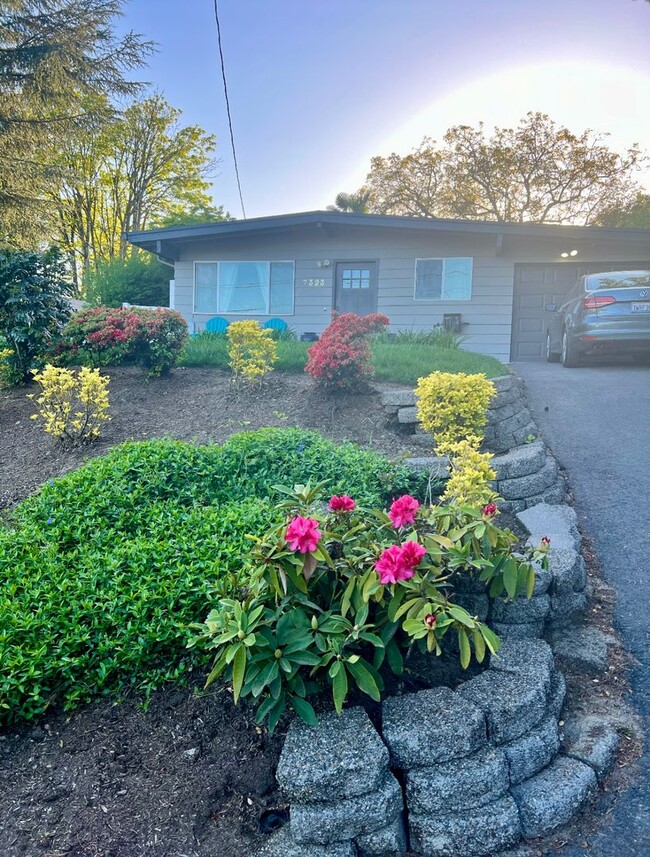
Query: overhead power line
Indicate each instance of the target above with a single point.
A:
(225, 92)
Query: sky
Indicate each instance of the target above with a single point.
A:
(317, 87)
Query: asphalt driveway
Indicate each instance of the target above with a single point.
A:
(597, 421)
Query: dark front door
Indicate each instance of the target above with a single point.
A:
(537, 285)
(356, 287)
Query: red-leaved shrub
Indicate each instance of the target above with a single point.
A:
(102, 336)
(341, 358)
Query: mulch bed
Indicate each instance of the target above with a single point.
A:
(190, 404)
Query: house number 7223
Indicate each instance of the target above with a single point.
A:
(314, 283)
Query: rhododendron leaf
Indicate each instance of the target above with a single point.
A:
(361, 615)
(322, 553)
(333, 670)
(304, 710)
(479, 646)
(465, 651)
(305, 658)
(298, 685)
(266, 675)
(491, 639)
(276, 713)
(309, 565)
(217, 669)
(372, 638)
(347, 596)
(461, 616)
(510, 578)
(339, 689)
(530, 583)
(394, 658)
(264, 709)
(238, 671)
(364, 679)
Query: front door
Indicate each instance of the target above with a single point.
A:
(356, 287)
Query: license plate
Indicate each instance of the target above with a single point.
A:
(641, 307)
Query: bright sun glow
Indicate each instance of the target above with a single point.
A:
(579, 95)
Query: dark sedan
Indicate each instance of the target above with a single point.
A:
(602, 313)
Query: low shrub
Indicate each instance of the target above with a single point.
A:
(102, 336)
(34, 306)
(453, 407)
(471, 475)
(251, 351)
(108, 613)
(103, 570)
(72, 405)
(340, 360)
(336, 596)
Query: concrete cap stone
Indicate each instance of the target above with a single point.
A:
(513, 704)
(533, 751)
(342, 757)
(385, 842)
(532, 659)
(479, 832)
(458, 785)
(521, 461)
(281, 844)
(322, 823)
(422, 729)
(592, 739)
(551, 798)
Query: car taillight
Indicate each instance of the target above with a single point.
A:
(596, 301)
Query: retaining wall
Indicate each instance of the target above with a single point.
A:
(527, 473)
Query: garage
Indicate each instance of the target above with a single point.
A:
(536, 285)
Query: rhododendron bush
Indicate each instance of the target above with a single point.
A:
(339, 594)
(340, 359)
(103, 336)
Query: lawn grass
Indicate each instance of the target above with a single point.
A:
(399, 362)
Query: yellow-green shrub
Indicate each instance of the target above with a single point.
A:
(471, 474)
(251, 351)
(453, 407)
(72, 405)
(5, 369)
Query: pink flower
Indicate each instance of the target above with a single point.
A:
(412, 554)
(342, 503)
(403, 511)
(430, 620)
(489, 510)
(303, 534)
(546, 543)
(391, 566)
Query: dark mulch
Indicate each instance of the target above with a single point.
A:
(189, 778)
(190, 404)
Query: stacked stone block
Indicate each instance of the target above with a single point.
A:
(526, 472)
(477, 768)
(344, 799)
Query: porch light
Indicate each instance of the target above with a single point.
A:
(566, 253)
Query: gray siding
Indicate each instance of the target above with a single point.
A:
(488, 315)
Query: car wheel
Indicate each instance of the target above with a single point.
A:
(551, 356)
(570, 357)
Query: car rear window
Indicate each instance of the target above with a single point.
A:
(618, 280)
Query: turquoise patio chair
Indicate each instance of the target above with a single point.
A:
(276, 324)
(216, 325)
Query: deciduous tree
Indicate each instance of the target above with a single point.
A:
(56, 57)
(538, 172)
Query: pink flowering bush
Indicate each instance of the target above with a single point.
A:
(340, 594)
(103, 336)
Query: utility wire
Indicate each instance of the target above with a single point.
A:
(225, 92)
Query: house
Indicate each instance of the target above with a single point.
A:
(490, 280)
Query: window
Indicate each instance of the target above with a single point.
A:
(355, 278)
(244, 288)
(447, 279)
